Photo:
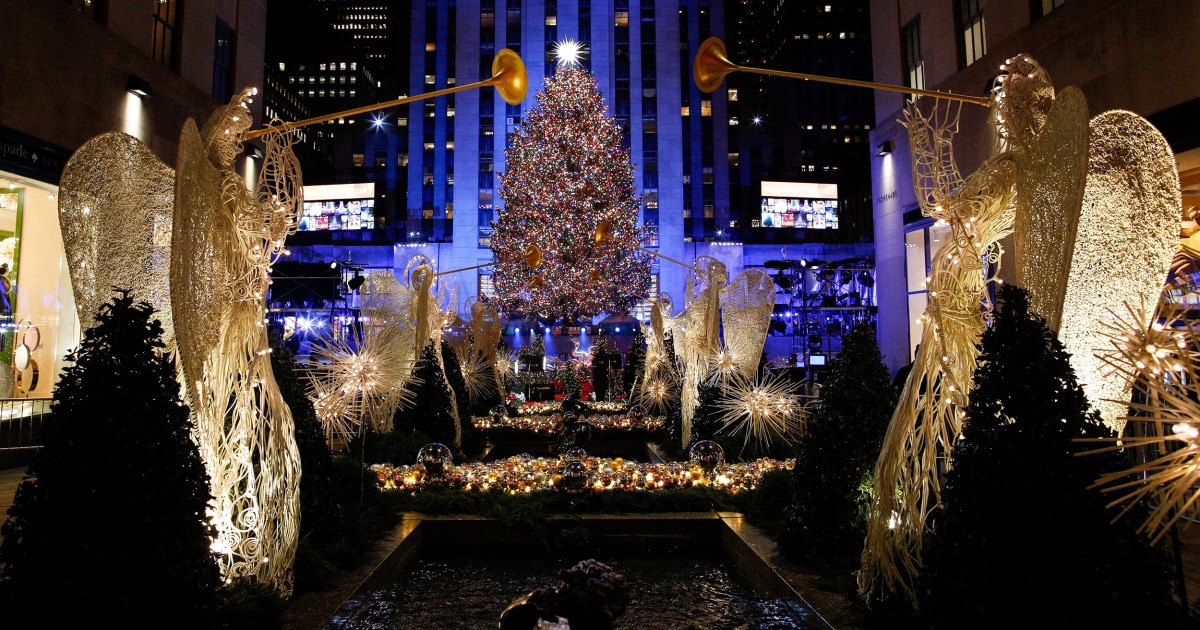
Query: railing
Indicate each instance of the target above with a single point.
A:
(21, 421)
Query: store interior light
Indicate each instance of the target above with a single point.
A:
(885, 148)
(357, 281)
(139, 87)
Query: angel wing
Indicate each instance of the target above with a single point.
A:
(1126, 237)
(115, 208)
(746, 306)
(1051, 173)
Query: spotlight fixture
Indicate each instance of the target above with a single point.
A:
(139, 87)
(333, 265)
(357, 281)
(885, 148)
(253, 152)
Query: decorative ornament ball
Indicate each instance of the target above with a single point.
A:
(707, 454)
(499, 413)
(556, 479)
(574, 454)
(574, 475)
(434, 457)
(539, 476)
(637, 412)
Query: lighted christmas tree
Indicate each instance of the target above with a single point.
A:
(567, 172)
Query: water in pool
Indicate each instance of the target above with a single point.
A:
(668, 592)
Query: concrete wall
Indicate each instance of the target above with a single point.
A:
(63, 76)
(1123, 54)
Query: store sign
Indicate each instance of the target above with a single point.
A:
(338, 207)
(29, 157)
(803, 205)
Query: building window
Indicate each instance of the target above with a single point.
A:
(732, 94)
(95, 9)
(222, 85)
(166, 13)
(733, 159)
(621, 18)
(733, 121)
(685, 111)
(973, 34)
(1041, 8)
(706, 108)
(914, 63)
(919, 246)
(358, 159)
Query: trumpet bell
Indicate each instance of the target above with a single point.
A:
(594, 276)
(537, 282)
(712, 64)
(533, 256)
(603, 232)
(509, 76)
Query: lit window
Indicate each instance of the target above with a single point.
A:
(430, 47)
(358, 159)
(428, 146)
(973, 33)
(429, 79)
(402, 122)
(343, 65)
(732, 94)
(621, 18)
(551, 20)
(733, 121)
(706, 108)
(450, 112)
(828, 8)
(322, 67)
(733, 159)
(450, 145)
(685, 111)
(841, 36)
(914, 64)
(352, 92)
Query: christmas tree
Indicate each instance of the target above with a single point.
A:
(635, 362)
(567, 172)
(1020, 530)
(112, 525)
(827, 520)
(432, 413)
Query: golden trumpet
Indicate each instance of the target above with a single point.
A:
(508, 77)
(531, 257)
(712, 64)
(604, 235)
(537, 282)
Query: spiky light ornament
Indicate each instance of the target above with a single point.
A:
(360, 378)
(761, 408)
(567, 171)
(1162, 360)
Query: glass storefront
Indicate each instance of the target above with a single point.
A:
(920, 244)
(38, 324)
